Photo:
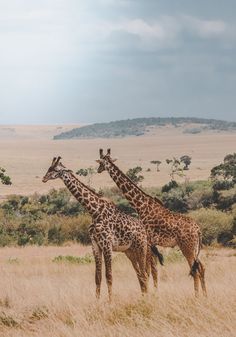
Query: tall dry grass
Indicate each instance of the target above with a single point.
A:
(46, 299)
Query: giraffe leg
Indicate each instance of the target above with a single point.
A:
(148, 261)
(139, 266)
(154, 271)
(142, 267)
(151, 266)
(201, 270)
(97, 253)
(107, 253)
(193, 264)
(196, 284)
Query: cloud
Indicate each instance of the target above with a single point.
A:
(164, 32)
(205, 28)
(115, 58)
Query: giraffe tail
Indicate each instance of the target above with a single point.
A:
(156, 252)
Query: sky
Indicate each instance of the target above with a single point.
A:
(86, 61)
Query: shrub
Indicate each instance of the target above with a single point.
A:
(176, 200)
(4, 179)
(213, 223)
(125, 207)
(29, 233)
(172, 184)
(133, 174)
(88, 258)
(55, 235)
(79, 229)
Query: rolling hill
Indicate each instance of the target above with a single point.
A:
(141, 126)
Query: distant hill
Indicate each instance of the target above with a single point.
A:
(140, 126)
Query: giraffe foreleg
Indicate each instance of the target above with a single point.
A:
(107, 253)
(97, 253)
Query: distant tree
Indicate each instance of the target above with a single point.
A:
(224, 175)
(87, 172)
(175, 168)
(186, 160)
(133, 174)
(5, 180)
(157, 163)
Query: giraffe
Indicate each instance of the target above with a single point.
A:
(164, 228)
(111, 230)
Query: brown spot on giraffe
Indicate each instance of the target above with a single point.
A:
(111, 229)
(163, 227)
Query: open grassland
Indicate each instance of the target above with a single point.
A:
(39, 297)
(27, 151)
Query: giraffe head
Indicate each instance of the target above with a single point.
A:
(55, 170)
(104, 160)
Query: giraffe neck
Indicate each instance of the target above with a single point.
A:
(132, 192)
(88, 198)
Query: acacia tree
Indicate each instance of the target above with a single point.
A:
(133, 174)
(186, 160)
(224, 175)
(5, 180)
(157, 163)
(175, 168)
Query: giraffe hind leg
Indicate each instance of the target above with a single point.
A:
(156, 252)
(154, 271)
(201, 271)
(198, 270)
(139, 267)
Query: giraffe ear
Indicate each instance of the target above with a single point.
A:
(54, 159)
(108, 152)
(101, 153)
(57, 161)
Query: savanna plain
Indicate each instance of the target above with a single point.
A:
(45, 294)
(39, 297)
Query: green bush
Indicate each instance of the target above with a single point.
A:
(30, 234)
(168, 187)
(176, 200)
(86, 259)
(213, 223)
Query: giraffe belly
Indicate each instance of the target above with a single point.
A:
(166, 241)
(119, 246)
(163, 239)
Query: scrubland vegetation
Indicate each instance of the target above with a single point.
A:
(56, 217)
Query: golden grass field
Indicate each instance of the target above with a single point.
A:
(26, 152)
(42, 298)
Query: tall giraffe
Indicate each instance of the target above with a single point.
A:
(111, 229)
(164, 228)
